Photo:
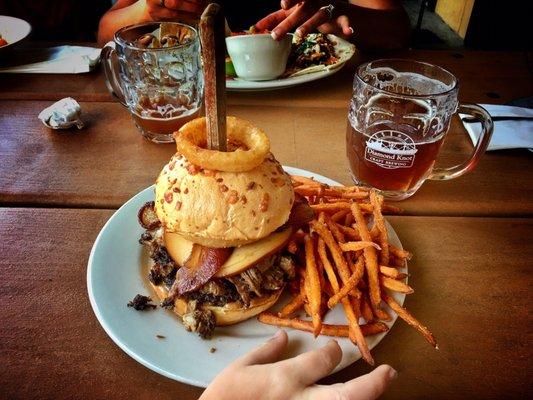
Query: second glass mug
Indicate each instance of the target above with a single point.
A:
(163, 86)
(399, 114)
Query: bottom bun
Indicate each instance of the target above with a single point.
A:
(231, 313)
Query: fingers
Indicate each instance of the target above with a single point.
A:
(269, 352)
(369, 386)
(318, 18)
(286, 4)
(344, 24)
(271, 20)
(309, 367)
(301, 13)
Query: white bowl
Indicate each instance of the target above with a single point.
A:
(258, 57)
(13, 30)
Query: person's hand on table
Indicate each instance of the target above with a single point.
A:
(328, 16)
(260, 375)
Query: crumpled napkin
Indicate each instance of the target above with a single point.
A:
(51, 60)
(62, 114)
(507, 134)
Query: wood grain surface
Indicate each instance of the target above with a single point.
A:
(471, 278)
(108, 162)
(471, 236)
(484, 76)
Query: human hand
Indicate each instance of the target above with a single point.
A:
(258, 375)
(161, 10)
(306, 16)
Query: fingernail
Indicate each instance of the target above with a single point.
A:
(299, 32)
(351, 30)
(284, 4)
(331, 342)
(393, 374)
(274, 35)
(278, 334)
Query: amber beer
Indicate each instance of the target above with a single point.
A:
(401, 170)
(399, 114)
(157, 125)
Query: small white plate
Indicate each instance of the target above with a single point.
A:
(13, 30)
(116, 273)
(241, 85)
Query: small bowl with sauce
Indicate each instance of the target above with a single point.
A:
(257, 56)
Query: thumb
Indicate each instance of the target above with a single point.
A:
(268, 352)
(369, 386)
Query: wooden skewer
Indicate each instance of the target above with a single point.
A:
(213, 55)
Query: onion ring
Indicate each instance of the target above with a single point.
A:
(191, 141)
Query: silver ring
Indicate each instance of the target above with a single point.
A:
(329, 9)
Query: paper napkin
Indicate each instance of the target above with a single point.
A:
(507, 134)
(52, 60)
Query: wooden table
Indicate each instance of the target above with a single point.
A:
(471, 237)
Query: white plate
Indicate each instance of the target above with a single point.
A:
(241, 85)
(13, 30)
(115, 274)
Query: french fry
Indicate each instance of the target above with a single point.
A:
(374, 232)
(383, 238)
(330, 273)
(348, 232)
(407, 317)
(366, 310)
(331, 207)
(355, 333)
(395, 286)
(349, 219)
(371, 261)
(312, 284)
(380, 313)
(322, 190)
(304, 181)
(336, 252)
(327, 329)
(396, 262)
(339, 215)
(356, 246)
(391, 272)
(334, 230)
(349, 285)
(399, 253)
(295, 304)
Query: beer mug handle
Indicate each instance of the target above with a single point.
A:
(483, 141)
(111, 79)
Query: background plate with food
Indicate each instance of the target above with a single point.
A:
(313, 57)
(12, 31)
(156, 338)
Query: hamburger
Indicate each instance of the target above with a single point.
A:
(216, 238)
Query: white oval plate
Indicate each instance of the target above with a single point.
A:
(115, 275)
(13, 30)
(241, 85)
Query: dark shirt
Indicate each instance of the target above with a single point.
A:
(77, 20)
(242, 14)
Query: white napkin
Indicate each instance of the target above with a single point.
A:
(507, 134)
(53, 60)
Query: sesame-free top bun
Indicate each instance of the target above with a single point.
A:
(223, 209)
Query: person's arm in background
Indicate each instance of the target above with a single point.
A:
(370, 24)
(128, 12)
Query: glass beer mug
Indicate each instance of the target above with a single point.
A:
(159, 77)
(399, 114)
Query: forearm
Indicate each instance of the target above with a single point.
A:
(378, 29)
(117, 18)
